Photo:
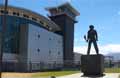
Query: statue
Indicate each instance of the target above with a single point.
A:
(92, 65)
(92, 37)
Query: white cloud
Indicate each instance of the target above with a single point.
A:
(80, 49)
(103, 49)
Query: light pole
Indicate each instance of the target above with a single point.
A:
(3, 35)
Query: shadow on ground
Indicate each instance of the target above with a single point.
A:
(93, 76)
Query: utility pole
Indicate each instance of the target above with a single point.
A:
(4, 23)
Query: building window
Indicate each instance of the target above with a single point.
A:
(41, 22)
(38, 35)
(58, 53)
(50, 39)
(18, 14)
(2, 11)
(34, 19)
(59, 41)
(49, 52)
(6, 12)
(38, 50)
(26, 16)
(47, 26)
(15, 13)
(38, 64)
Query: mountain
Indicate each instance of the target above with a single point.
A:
(116, 55)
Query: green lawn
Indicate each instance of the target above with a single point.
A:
(112, 70)
(54, 73)
(65, 72)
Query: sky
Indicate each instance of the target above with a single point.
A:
(103, 14)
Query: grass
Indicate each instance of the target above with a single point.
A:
(112, 70)
(62, 73)
(54, 73)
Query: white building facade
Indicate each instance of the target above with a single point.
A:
(44, 47)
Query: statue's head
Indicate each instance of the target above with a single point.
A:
(91, 27)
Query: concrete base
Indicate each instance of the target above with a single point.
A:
(79, 75)
(92, 65)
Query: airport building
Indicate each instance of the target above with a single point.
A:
(33, 42)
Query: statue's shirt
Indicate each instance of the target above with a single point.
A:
(92, 35)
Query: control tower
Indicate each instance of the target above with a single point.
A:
(64, 16)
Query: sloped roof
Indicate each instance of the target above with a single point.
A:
(33, 14)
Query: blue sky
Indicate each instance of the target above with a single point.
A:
(103, 14)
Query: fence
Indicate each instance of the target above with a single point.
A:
(30, 67)
(41, 66)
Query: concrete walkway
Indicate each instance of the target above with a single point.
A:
(107, 75)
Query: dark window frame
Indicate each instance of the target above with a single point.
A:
(34, 19)
(39, 36)
(26, 16)
(38, 50)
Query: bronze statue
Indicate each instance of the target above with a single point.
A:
(92, 37)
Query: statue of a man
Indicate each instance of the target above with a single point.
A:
(92, 37)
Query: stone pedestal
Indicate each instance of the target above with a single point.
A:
(92, 64)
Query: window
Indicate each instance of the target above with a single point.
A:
(58, 53)
(38, 35)
(26, 16)
(41, 22)
(15, 13)
(49, 52)
(38, 50)
(6, 12)
(18, 14)
(59, 41)
(47, 26)
(2, 11)
(50, 39)
(34, 19)
(38, 64)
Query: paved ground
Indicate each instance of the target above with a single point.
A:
(14, 75)
(78, 75)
